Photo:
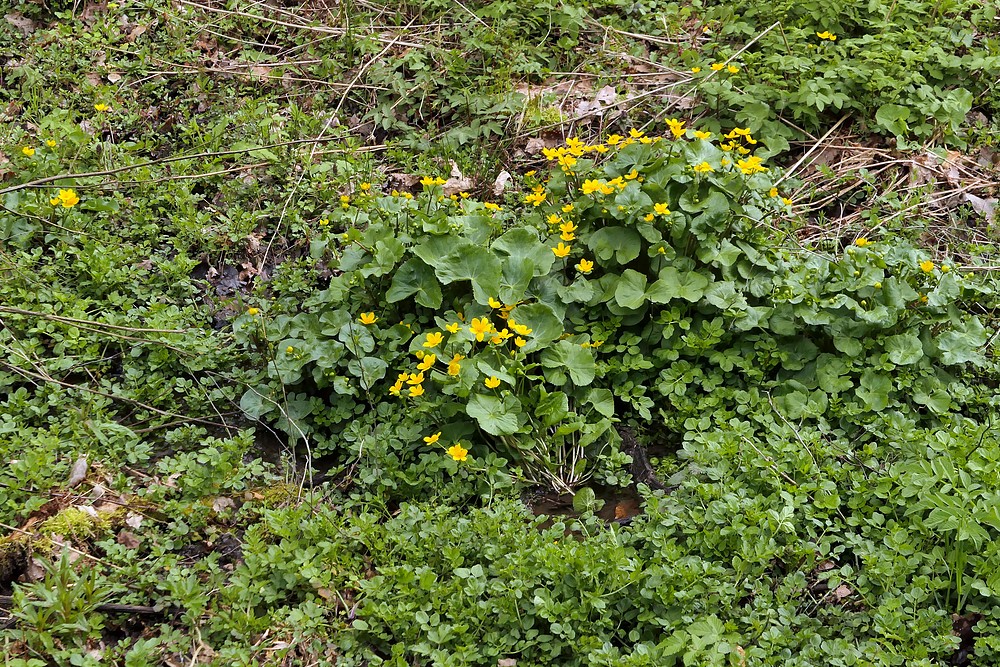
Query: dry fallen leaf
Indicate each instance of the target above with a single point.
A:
(25, 25)
(984, 207)
(78, 472)
(500, 183)
(128, 540)
(221, 504)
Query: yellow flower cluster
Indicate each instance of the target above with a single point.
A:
(751, 165)
(737, 137)
(536, 198)
(413, 382)
(429, 181)
(65, 198)
(826, 34)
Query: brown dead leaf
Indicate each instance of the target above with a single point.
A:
(78, 472)
(136, 32)
(221, 504)
(25, 25)
(35, 570)
(501, 182)
(402, 181)
(128, 539)
(984, 207)
(841, 592)
(90, 11)
(457, 183)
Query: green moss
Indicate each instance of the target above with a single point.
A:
(75, 524)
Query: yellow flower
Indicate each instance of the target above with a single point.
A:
(826, 34)
(490, 206)
(345, 199)
(567, 227)
(636, 134)
(561, 250)
(431, 439)
(368, 318)
(415, 379)
(101, 107)
(416, 390)
(253, 311)
(480, 326)
(66, 198)
(704, 168)
(861, 242)
(878, 285)
(676, 127)
(520, 328)
(458, 452)
(324, 222)
(698, 134)
(426, 181)
(786, 201)
(660, 208)
(614, 139)
(567, 236)
(773, 192)
(396, 388)
(454, 367)
(945, 268)
(567, 208)
(567, 162)
(649, 217)
(434, 339)
(553, 219)
(716, 67)
(732, 69)
(590, 186)
(751, 165)
(365, 187)
(695, 70)
(289, 350)
(454, 327)
(427, 363)
(28, 150)
(51, 143)
(927, 266)
(492, 382)
(494, 303)
(585, 266)
(535, 198)
(520, 342)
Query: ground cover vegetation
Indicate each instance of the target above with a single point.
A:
(302, 306)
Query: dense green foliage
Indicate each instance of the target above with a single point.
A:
(311, 379)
